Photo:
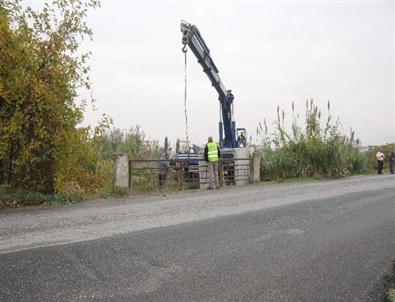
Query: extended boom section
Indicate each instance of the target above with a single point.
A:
(227, 126)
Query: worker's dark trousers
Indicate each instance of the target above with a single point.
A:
(162, 180)
(392, 164)
(379, 166)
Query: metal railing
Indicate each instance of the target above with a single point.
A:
(175, 175)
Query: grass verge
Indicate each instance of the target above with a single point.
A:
(389, 283)
(15, 198)
(11, 198)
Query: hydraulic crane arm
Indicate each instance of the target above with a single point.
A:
(192, 37)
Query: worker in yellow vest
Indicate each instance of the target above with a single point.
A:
(212, 155)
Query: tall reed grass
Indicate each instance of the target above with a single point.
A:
(311, 149)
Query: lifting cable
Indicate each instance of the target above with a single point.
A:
(185, 98)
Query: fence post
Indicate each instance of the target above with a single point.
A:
(130, 167)
(203, 172)
(182, 175)
(242, 167)
(121, 171)
(256, 166)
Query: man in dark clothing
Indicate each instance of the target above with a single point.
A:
(212, 155)
(164, 166)
(391, 159)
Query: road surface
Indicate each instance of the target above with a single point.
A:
(320, 241)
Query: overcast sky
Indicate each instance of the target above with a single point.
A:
(268, 53)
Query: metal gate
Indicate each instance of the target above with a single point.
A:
(152, 175)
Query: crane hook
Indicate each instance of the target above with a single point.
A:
(184, 48)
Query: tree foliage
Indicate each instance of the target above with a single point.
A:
(132, 142)
(40, 71)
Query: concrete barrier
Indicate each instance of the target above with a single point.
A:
(121, 171)
(234, 160)
(242, 166)
(256, 167)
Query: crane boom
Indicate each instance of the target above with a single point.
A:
(227, 126)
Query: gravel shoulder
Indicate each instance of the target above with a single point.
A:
(28, 228)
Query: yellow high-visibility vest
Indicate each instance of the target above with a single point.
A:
(212, 149)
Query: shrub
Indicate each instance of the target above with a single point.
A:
(371, 154)
(314, 150)
(11, 197)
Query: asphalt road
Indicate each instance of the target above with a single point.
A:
(322, 241)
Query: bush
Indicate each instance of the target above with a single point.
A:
(371, 155)
(74, 192)
(10, 197)
(113, 192)
(41, 71)
(314, 150)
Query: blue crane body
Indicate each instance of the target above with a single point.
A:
(227, 126)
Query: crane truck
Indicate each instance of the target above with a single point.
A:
(229, 135)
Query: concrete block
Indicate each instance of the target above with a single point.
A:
(242, 166)
(121, 171)
(256, 167)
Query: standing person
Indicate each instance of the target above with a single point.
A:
(391, 159)
(212, 155)
(242, 140)
(164, 166)
(380, 161)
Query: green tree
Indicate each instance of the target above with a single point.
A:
(40, 72)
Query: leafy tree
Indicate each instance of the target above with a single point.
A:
(40, 72)
(132, 142)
